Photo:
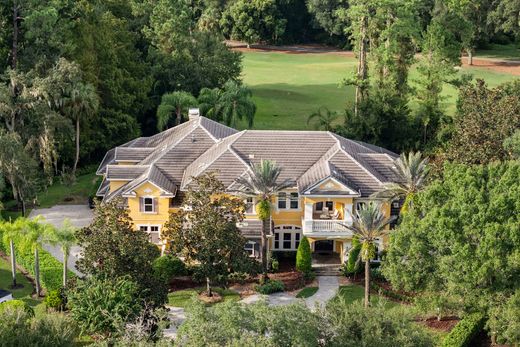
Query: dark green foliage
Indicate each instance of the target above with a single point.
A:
(103, 305)
(464, 332)
(388, 293)
(504, 319)
(271, 286)
(167, 267)
(113, 248)
(472, 207)
(16, 305)
(303, 256)
(55, 299)
(352, 266)
(18, 328)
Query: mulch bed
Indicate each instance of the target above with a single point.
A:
(184, 282)
(445, 324)
(210, 299)
(292, 280)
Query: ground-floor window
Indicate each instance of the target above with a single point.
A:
(153, 232)
(287, 237)
(251, 247)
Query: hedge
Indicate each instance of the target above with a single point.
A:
(51, 270)
(464, 331)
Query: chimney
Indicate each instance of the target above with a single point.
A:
(193, 113)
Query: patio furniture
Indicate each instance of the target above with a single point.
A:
(336, 214)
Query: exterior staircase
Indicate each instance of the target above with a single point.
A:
(326, 265)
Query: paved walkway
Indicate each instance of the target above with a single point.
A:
(328, 288)
(79, 215)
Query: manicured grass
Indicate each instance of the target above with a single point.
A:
(287, 88)
(507, 52)
(76, 193)
(182, 298)
(23, 293)
(352, 293)
(307, 292)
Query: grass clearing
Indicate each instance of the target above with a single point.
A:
(23, 293)
(182, 298)
(495, 51)
(287, 88)
(307, 292)
(354, 292)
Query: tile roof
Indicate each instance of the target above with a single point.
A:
(172, 157)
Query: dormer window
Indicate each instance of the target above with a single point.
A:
(148, 205)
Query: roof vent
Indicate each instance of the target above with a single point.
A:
(251, 156)
(193, 113)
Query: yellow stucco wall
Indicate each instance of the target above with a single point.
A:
(114, 185)
(156, 218)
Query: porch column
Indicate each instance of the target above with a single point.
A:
(345, 250)
(347, 215)
(308, 211)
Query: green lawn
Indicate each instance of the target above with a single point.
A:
(354, 292)
(507, 52)
(23, 293)
(182, 298)
(59, 194)
(287, 88)
(307, 292)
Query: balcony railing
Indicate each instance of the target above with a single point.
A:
(326, 226)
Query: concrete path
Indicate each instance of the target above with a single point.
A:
(275, 299)
(176, 316)
(328, 288)
(79, 216)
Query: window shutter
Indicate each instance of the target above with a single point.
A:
(155, 205)
(141, 204)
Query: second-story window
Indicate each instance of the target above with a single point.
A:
(288, 201)
(148, 205)
(250, 205)
(282, 201)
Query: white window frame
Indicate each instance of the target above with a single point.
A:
(253, 204)
(287, 201)
(149, 231)
(280, 230)
(153, 211)
(250, 251)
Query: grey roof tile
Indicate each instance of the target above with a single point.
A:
(124, 172)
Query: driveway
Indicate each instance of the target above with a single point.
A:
(79, 215)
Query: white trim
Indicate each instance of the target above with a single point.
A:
(148, 231)
(145, 180)
(352, 191)
(144, 205)
(279, 229)
(288, 202)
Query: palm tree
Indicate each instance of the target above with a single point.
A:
(65, 237)
(210, 103)
(411, 172)
(10, 232)
(368, 224)
(324, 117)
(31, 232)
(236, 104)
(261, 183)
(81, 103)
(175, 103)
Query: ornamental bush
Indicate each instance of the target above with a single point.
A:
(271, 286)
(464, 331)
(55, 299)
(167, 267)
(352, 266)
(16, 305)
(102, 306)
(303, 257)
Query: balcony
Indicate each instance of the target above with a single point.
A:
(324, 228)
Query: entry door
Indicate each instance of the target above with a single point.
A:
(324, 246)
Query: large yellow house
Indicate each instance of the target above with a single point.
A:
(332, 176)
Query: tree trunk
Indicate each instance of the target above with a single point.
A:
(263, 248)
(13, 262)
(65, 267)
(178, 118)
(23, 206)
(37, 271)
(77, 148)
(362, 65)
(470, 56)
(208, 287)
(14, 47)
(367, 283)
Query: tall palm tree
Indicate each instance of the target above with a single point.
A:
(173, 104)
(210, 103)
(369, 223)
(31, 233)
(323, 118)
(65, 237)
(236, 104)
(411, 172)
(81, 103)
(10, 232)
(262, 183)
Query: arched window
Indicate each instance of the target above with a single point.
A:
(287, 237)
